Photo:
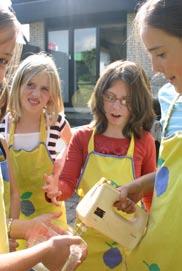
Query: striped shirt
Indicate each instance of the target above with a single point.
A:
(53, 142)
(166, 95)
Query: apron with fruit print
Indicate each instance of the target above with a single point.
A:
(161, 247)
(5, 175)
(104, 254)
(29, 169)
(4, 246)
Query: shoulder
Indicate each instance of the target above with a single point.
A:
(166, 95)
(167, 92)
(60, 123)
(2, 126)
(146, 139)
(61, 120)
(82, 133)
(5, 123)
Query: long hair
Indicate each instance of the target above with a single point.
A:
(27, 69)
(140, 105)
(8, 22)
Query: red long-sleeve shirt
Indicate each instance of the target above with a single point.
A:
(144, 157)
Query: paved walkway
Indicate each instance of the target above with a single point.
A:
(70, 209)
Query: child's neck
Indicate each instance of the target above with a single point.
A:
(28, 124)
(114, 132)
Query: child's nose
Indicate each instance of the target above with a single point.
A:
(36, 92)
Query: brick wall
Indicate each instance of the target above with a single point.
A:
(37, 34)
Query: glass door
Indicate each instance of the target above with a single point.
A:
(84, 66)
(58, 45)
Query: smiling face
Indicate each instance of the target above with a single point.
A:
(115, 104)
(35, 94)
(166, 54)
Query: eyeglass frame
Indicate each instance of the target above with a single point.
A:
(124, 101)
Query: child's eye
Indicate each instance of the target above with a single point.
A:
(3, 61)
(109, 97)
(162, 55)
(45, 89)
(30, 85)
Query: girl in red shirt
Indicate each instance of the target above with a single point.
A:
(117, 145)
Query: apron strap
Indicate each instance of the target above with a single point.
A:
(169, 112)
(130, 151)
(11, 134)
(43, 133)
(91, 142)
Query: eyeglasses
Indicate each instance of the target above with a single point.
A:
(111, 98)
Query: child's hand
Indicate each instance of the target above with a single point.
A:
(51, 188)
(130, 194)
(51, 183)
(41, 228)
(59, 252)
(12, 245)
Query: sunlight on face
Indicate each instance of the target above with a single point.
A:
(116, 100)
(166, 54)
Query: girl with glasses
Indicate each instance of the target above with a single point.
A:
(116, 145)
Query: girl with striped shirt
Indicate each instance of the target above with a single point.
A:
(36, 131)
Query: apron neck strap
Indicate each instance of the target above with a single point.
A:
(43, 134)
(130, 151)
(169, 112)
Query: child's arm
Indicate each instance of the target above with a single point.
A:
(131, 193)
(14, 193)
(62, 187)
(52, 180)
(65, 135)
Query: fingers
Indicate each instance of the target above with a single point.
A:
(13, 245)
(56, 202)
(126, 205)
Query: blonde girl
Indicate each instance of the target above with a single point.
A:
(35, 128)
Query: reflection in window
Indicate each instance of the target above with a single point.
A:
(58, 45)
(112, 43)
(84, 65)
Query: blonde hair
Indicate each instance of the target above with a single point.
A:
(8, 21)
(27, 69)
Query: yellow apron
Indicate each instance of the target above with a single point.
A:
(161, 248)
(4, 246)
(103, 253)
(29, 168)
(5, 175)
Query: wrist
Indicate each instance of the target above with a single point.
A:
(17, 229)
(9, 226)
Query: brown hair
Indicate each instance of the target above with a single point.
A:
(140, 93)
(162, 14)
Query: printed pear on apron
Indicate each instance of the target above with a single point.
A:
(160, 249)
(29, 169)
(104, 254)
